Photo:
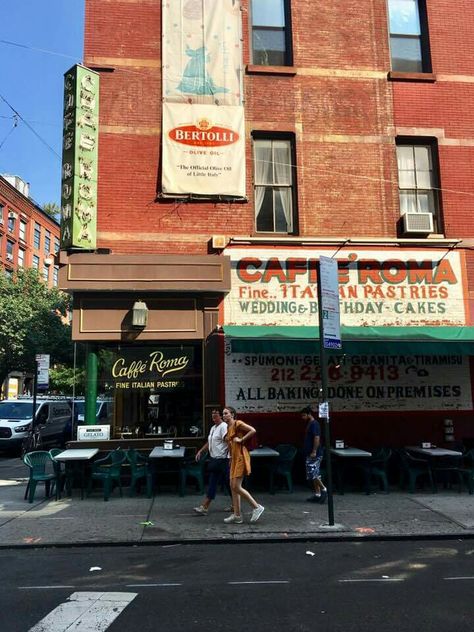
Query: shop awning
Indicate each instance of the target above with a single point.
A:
(355, 340)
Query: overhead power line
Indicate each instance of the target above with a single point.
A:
(40, 138)
(38, 50)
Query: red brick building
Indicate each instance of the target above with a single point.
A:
(358, 145)
(29, 238)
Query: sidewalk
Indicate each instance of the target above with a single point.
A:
(167, 518)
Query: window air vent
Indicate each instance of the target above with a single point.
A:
(418, 223)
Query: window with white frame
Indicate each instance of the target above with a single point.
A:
(37, 236)
(271, 33)
(22, 233)
(55, 275)
(418, 179)
(409, 43)
(274, 185)
(21, 257)
(35, 262)
(47, 242)
(45, 273)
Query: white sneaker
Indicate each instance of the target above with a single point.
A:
(202, 511)
(233, 518)
(256, 513)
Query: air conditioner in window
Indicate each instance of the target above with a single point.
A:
(9, 257)
(418, 223)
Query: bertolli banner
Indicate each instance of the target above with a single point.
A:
(203, 116)
(203, 150)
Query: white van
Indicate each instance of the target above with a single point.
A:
(103, 411)
(53, 420)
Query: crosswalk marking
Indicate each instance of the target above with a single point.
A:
(85, 611)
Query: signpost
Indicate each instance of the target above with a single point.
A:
(42, 360)
(329, 338)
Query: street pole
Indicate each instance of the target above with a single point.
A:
(323, 366)
(91, 385)
(35, 392)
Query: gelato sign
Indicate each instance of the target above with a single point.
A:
(393, 288)
(157, 369)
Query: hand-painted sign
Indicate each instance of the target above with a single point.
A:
(376, 287)
(154, 369)
(264, 382)
(80, 151)
(203, 116)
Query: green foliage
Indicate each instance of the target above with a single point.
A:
(52, 209)
(63, 379)
(33, 319)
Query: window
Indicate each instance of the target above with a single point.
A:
(271, 40)
(47, 242)
(409, 36)
(37, 236)
(35, 262)
(274, 190)
(55, 275)
(45, 273)
(2, 206)
(22, 230)
(418, 179)
(11, 223)
(10, 246)
(21, 257)
(56, 245)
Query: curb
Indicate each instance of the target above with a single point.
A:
(248, 540)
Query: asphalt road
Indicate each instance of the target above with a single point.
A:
(263, 587)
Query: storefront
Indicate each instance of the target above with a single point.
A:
(163, 375)
(405, 369)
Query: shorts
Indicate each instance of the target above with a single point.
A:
(312, 468)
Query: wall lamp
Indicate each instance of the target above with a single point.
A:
(139, 314)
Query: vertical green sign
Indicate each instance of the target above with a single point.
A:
(79, 166)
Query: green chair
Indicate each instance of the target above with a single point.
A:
(376, 467)
(107, 471)
(38, 464)
(59, 471)
(413, 468)
(190, 468)
(284, 465)
(139, 470)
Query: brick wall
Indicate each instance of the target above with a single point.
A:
(339, 105)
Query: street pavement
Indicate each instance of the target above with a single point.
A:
(168, 518)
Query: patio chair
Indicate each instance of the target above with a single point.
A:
(284, 464)
(377, 467)
(190, 468)
(38, 463)
(414, 468)
(140, 470)
(107, 471)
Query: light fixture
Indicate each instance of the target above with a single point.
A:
(139, 314)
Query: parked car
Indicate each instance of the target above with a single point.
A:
(52, 421)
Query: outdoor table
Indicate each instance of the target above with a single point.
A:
(77, 456)
(343, 457)
(439, 463)
(160, 453)
(433, 452)
(269, 456)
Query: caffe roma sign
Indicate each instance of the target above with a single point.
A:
(157, 369)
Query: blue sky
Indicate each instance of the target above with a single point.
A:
(32, 83)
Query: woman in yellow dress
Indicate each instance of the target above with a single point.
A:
(237, 434)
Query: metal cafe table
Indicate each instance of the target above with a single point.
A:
(77, 457)
(343, 457)
(162, 453)
(439, 461)
(269, 456)
(433, 452)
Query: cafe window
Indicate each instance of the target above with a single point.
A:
(157, 389)
(271, 33)
(409, 43)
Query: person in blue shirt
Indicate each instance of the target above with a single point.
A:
(313, 453)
